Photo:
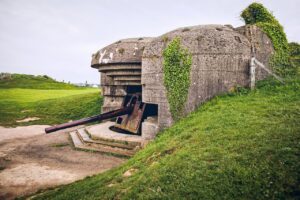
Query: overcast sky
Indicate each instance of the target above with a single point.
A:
(58, 37)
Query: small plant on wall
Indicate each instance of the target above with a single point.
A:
(176, 67)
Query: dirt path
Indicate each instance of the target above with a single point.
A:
(21, 132)
(31, 160)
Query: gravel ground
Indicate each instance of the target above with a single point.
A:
(30, 160)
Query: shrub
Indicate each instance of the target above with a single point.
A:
(257, 14)
(294, 49)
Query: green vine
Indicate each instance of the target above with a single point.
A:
(176, 67)
(257, 14)
(295, 56)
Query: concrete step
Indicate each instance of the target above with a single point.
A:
(102, 132)
(80, 145)
(110, 150)
(100, 138)
(85, 138)
(76, 140)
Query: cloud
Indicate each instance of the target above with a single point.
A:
(58, 37)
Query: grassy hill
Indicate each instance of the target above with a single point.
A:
(24, 96)
(244, 145)
(33, 82)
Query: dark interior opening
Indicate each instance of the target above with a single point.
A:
(119, 120)
(150, 110)
(133, 89)
(130, 90)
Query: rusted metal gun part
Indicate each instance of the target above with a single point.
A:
(132, 122)
(122, 111)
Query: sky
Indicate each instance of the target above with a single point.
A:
(58, 37)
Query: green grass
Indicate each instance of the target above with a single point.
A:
(34, 82)
(53, 102)
(243, 145)
(34, 95)
(51, 106)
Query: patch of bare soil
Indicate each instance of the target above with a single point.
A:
(21, 132)
(28, 119)
(30, 160)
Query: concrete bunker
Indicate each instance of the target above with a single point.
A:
(220, 61)
(120, 65)
(136, 97)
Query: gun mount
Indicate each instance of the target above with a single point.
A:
(129, 117)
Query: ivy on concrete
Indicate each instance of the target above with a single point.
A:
(176, 67)
(257, 14)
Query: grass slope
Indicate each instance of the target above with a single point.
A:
(33, 82)
(53, 102)
(237, 146)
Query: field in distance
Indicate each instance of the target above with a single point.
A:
(42, 98)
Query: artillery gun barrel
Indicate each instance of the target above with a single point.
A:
(107, 115)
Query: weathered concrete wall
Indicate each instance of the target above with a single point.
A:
(122, 51)
(120, 67)
(220, 61)
(261, 46)
(150, 128)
